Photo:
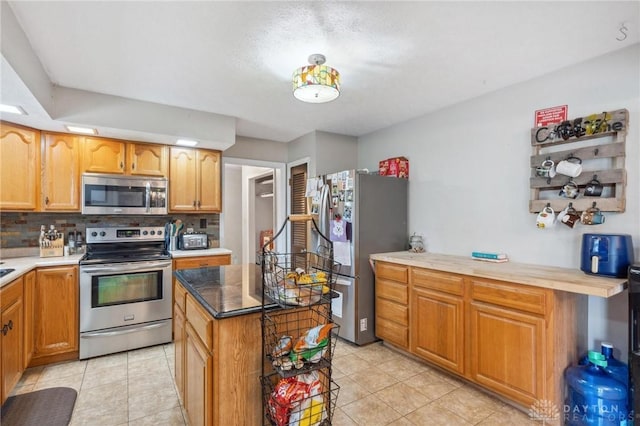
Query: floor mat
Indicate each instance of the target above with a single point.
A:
(50, 407)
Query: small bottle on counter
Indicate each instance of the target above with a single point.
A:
(72, 242)
(79, 243)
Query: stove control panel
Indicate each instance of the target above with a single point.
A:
(112, 235)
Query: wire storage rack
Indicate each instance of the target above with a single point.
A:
(298, 336)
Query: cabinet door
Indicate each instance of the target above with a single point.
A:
(29, 312)
(209, 197)
(437, 328)
(103, 156)
(61, 173)
(147, 159)
(182, 179)
(508, 352)
(19, 167)
(179, 346)
(12, 335)
(198, 380)
(201, 261)
(56, 311)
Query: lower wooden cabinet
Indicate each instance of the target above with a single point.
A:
(510, 338)
(198, 379)
(11, 336)
(179, 332)
(29, 309)
(217, 364)
(201, 261)
(508, 351)
(437, 328)
(55, 319)
(392, 304)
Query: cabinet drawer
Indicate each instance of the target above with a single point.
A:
(515, 296)
(441, 281)
(391, 332)
(392, 311)
(392, 290)
(179, 294)
(392, 272)
(200, 320)
(202, 261)
(10, 293)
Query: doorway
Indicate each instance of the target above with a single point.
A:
(254, 201)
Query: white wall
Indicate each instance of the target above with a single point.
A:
(257, 149)
(335, 152)
(231, 236)
(469, 172)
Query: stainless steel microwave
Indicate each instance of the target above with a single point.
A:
(115, 194)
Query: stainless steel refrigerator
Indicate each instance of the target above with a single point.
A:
(362, 214)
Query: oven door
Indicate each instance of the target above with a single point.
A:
(122, 294)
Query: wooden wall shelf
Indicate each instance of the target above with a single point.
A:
(599, 140)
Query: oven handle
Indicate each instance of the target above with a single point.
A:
(123, 267)
(128, 330)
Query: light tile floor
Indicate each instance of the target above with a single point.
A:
(378, 386)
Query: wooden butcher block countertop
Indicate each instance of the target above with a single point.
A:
(553, 277)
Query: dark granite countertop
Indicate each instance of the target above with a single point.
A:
(225, 291)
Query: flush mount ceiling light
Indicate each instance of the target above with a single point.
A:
(186, 142)
(316, 83)
(83, 130)
(13, 109)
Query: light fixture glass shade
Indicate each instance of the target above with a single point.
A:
(316, 83)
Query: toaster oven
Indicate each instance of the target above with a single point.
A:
(193, 241)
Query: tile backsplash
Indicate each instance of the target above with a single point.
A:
(21, 230)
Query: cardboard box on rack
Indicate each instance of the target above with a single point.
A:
(396, 166)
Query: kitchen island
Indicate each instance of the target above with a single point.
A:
(218, 341)
(511, 328)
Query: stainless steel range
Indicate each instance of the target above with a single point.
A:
(125, 290)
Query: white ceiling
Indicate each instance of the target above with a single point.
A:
(397, 60)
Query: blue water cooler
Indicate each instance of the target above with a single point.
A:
(634, 342)
(594, 397)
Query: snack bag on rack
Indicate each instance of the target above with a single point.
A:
(309, 411)
(312, 344)
(288, 395)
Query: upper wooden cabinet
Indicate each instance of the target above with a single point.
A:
(19, 167)
(147, 159)
(103, 156)
(60, 172)
(194, 180)
(119, 157)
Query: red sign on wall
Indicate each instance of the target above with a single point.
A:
(547, 116)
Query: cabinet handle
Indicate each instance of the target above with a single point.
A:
(199, 203)
(10, 324)
(5, 330)
(133, 166)
(194, 203)
(46, 200)
(122, 165)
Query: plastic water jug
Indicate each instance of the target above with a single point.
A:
(618, 369)
(594, 397)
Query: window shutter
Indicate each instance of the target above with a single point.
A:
(298, 206)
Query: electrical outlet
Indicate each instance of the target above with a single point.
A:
(203, 223)
(363, 324)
